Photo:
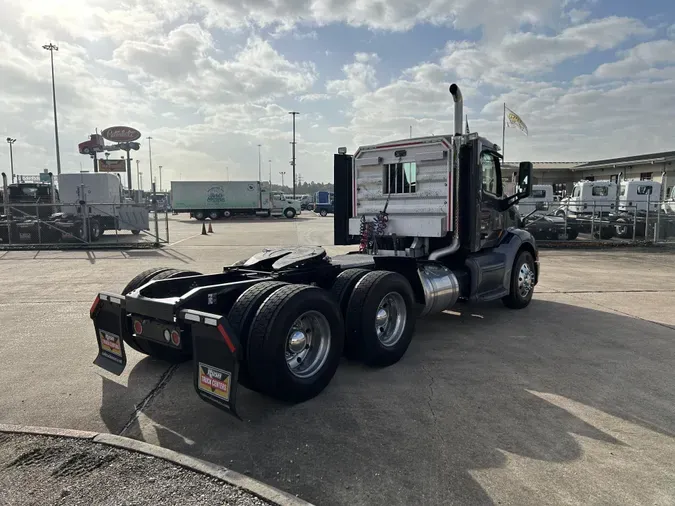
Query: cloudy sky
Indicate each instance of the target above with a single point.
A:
(209, 80)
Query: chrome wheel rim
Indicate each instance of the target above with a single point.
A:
(525, 280)
(308, 344)
(390, 319)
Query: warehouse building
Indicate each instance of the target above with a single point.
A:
(658, 167)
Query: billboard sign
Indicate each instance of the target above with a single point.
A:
(112, 166)
(121, 134)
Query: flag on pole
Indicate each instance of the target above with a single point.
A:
(515, 121)
(467, 126)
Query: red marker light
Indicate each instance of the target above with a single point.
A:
(175, 338)
(94, 306)
(138, 327)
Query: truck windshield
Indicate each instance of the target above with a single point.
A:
(33, 192)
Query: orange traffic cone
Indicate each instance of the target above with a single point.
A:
(204, 229)
(210, 230)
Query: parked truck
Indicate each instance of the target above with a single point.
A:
(223, 199)
(432, 225)
(37, 211)
(626, 209)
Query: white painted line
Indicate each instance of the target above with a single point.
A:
(187, 238)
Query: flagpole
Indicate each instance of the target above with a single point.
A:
(504, 134)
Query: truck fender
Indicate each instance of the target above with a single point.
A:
(491, 269)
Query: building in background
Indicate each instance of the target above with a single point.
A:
(563, 175)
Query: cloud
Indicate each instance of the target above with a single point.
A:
(533, 53)
(183, 70)
(388, 15)
(638, 59)
(360, 77)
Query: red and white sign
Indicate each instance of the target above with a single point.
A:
(121, 134)
(111, 166)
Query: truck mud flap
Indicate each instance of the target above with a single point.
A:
(106, 313)
(216, 357)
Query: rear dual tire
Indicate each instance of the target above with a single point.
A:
(380, 318)
(294, 343)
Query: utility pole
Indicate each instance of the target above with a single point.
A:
(259, 165)
(138, 174)
(160, 178)
(294, 114)
(150, 153)
(51, 48)
(11, 141)
(282, 179)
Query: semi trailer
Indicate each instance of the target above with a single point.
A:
(429, 225)
(223, 199)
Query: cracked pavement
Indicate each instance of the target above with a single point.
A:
(568, 401)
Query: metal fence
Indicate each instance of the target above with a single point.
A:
(81, 225)
(651, 221)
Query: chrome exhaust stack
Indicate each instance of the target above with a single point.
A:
(459, 107)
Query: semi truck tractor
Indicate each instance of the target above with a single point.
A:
(429, 225)
(36, 211)
(223, 199)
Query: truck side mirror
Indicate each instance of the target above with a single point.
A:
(524, 180)
(523, 188)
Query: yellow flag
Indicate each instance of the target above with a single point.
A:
(515, 121)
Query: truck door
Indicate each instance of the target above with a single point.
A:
(491, 221)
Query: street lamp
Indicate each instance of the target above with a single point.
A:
(138, 174)
(294, 114)
(51, 48)
(160, 178)
(150, 152)
(282, 179)
(259, 165)
(11, 141)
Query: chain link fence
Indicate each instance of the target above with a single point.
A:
(82, 225)
(587, 221)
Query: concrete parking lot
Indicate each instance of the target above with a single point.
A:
(566, 402)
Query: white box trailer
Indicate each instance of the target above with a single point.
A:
(218, 199)
(106, 207)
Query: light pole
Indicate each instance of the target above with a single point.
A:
(259, 164)
(11, 141)
(138, 174)
(160, 178)
(51, 48)
(270, 175)
(150, 153)
(294, 114)
(282, 179)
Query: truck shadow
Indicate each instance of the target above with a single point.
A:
(473, 388)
